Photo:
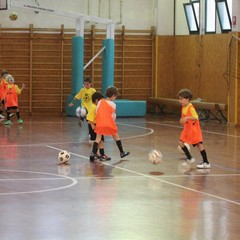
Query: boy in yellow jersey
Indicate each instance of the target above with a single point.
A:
(91, 118)
(85, 94)
(191, 132)
(11, 98)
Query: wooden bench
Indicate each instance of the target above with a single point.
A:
(206, 110)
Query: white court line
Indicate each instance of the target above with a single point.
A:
(74, 182)
(156, 178)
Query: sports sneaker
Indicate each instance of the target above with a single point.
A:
(8, 122)
(124, 154)
(203, 165)
(105, 158)
(20, 120)
(93, 157)
(192, 160)
(1, 116)
(11, 114)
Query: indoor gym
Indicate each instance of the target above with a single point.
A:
(127, 198)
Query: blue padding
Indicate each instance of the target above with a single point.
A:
(107, 64)
(125, 108)
(77, 63)
(130, 108)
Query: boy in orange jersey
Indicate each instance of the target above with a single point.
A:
(3, 84)
(85, 94)
(91, 118)
(11, 98)
(191, 132)
(105, 122)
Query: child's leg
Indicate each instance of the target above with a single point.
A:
(91, 132)
(1, 109)
(186, 151)
(119, 145)
(104, 157)
(95, 147)
(18, 115)
(203, 153)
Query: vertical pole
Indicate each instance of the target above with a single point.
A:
(108, 59)
(77, 64)
(108, 64)
(61, 71)
(30, 68)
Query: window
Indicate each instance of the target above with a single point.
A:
(210, 17)
(192, 22)
(3, 5)
(224, 15)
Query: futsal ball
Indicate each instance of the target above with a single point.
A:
(81, 112)
(180, 149)
(155, 157)
(63, 156)
(13, 16)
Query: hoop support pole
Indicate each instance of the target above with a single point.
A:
(94, 58)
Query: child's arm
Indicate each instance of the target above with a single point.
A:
(185, 119)
(92, 125)
(72, 102)
(23, 86)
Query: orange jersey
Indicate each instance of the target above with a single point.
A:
(191, 132)
(11, 95)
(105, 118)
(3, 86)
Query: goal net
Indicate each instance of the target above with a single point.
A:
(233, 67)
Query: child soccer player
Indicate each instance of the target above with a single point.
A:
(91, 118)
(191, 132)
(3, 84)
(85, 94)
(11, 98)
(105, 122)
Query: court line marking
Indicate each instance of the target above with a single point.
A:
(156, 178)
(74, 182)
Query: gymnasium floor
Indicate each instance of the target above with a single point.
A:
(122, 199)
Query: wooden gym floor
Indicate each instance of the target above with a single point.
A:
(122, 199)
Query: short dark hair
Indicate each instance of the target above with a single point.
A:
(96, 96)
(111, 91)
(4, 72)
(87, 79)
(185, 93)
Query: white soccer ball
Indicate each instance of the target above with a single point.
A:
(81, 112)
(63, 156)
(155, 157)
(13, 16)
(180, 149)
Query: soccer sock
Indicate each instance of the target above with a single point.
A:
(204, 156)
(18, 114)
(187, 153)
(119, 145)
(101, 150)
(95, 148)
(8, 115)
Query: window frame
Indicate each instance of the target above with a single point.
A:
(226, 16)
(206, 17)
(191, 19)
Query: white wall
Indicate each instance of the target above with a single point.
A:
(164, 17)
(134, 14)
